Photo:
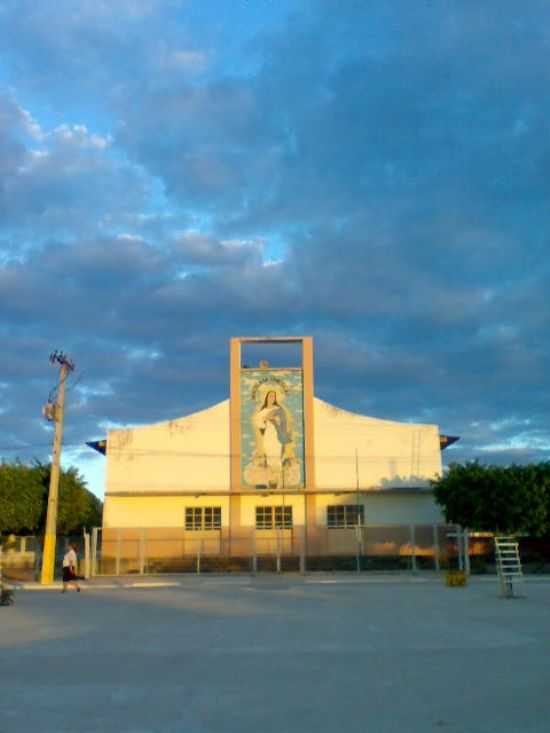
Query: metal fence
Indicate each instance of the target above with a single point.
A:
(21, 556)
(121, 551)
(387, 547)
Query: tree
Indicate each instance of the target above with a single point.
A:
(24, 497)
(78, 507)
(503, 500)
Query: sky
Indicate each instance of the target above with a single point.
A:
(373, 174)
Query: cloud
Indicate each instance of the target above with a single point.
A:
(374, 175)
(96, 48)
(207, 144)
(197, 249)
(60, 181)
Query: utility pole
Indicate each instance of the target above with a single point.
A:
(55, 413)
(357, 512)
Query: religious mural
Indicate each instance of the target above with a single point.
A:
(272, 429)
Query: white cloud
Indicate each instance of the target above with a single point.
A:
(31, 125)
(181, 60)
(521, 442)
(125, 236)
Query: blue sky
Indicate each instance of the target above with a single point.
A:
(373, 174)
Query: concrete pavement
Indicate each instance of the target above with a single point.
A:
(288, 653)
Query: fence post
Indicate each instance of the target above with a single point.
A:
(460, 547)
(37, 559)
(86, 538)
(303, 551)
(199, 551)
(466, 544)
(278, 552)
(93, 569)
(359, 549)
(413, 545)
(436, 548)
(254, 555)
(118, 543)
(142, 552)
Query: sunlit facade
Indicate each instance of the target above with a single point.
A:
(272, 463)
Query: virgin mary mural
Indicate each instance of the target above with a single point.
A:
(273, 462)
(273, 429)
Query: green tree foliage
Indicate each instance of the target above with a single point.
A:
(24, 497)
(504, 500)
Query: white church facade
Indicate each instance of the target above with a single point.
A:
(272, 464)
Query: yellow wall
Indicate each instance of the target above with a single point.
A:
(167, 511)
(153, 511)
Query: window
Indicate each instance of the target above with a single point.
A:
(198, 517)
(269, 517)
(345, 515)
(212, 517)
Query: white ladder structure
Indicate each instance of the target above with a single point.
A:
(508, 564)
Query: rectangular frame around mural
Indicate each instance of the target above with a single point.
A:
(288, 419)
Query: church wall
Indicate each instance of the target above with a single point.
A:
(387, 508)
(249, 504)
(166, 511)
(402, 509)
(324, 500)
(187, 454)
(192, 453)
(157, 511)
(273, 438)
(388, 453)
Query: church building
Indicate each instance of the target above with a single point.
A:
(272, 458)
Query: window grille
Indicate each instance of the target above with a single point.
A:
(198, 517)
(269, 517)
(345, 515)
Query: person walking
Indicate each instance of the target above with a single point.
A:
(69, 568)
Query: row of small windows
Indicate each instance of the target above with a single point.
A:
(274, 517)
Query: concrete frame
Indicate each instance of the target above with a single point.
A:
(237, 489)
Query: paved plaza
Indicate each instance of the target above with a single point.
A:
(285, 654)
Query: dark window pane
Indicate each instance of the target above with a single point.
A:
(283, 517)
(345, 515)
(193, 518)
(264, 517)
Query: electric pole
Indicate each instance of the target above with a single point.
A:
(55, 413)
(357, 515)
